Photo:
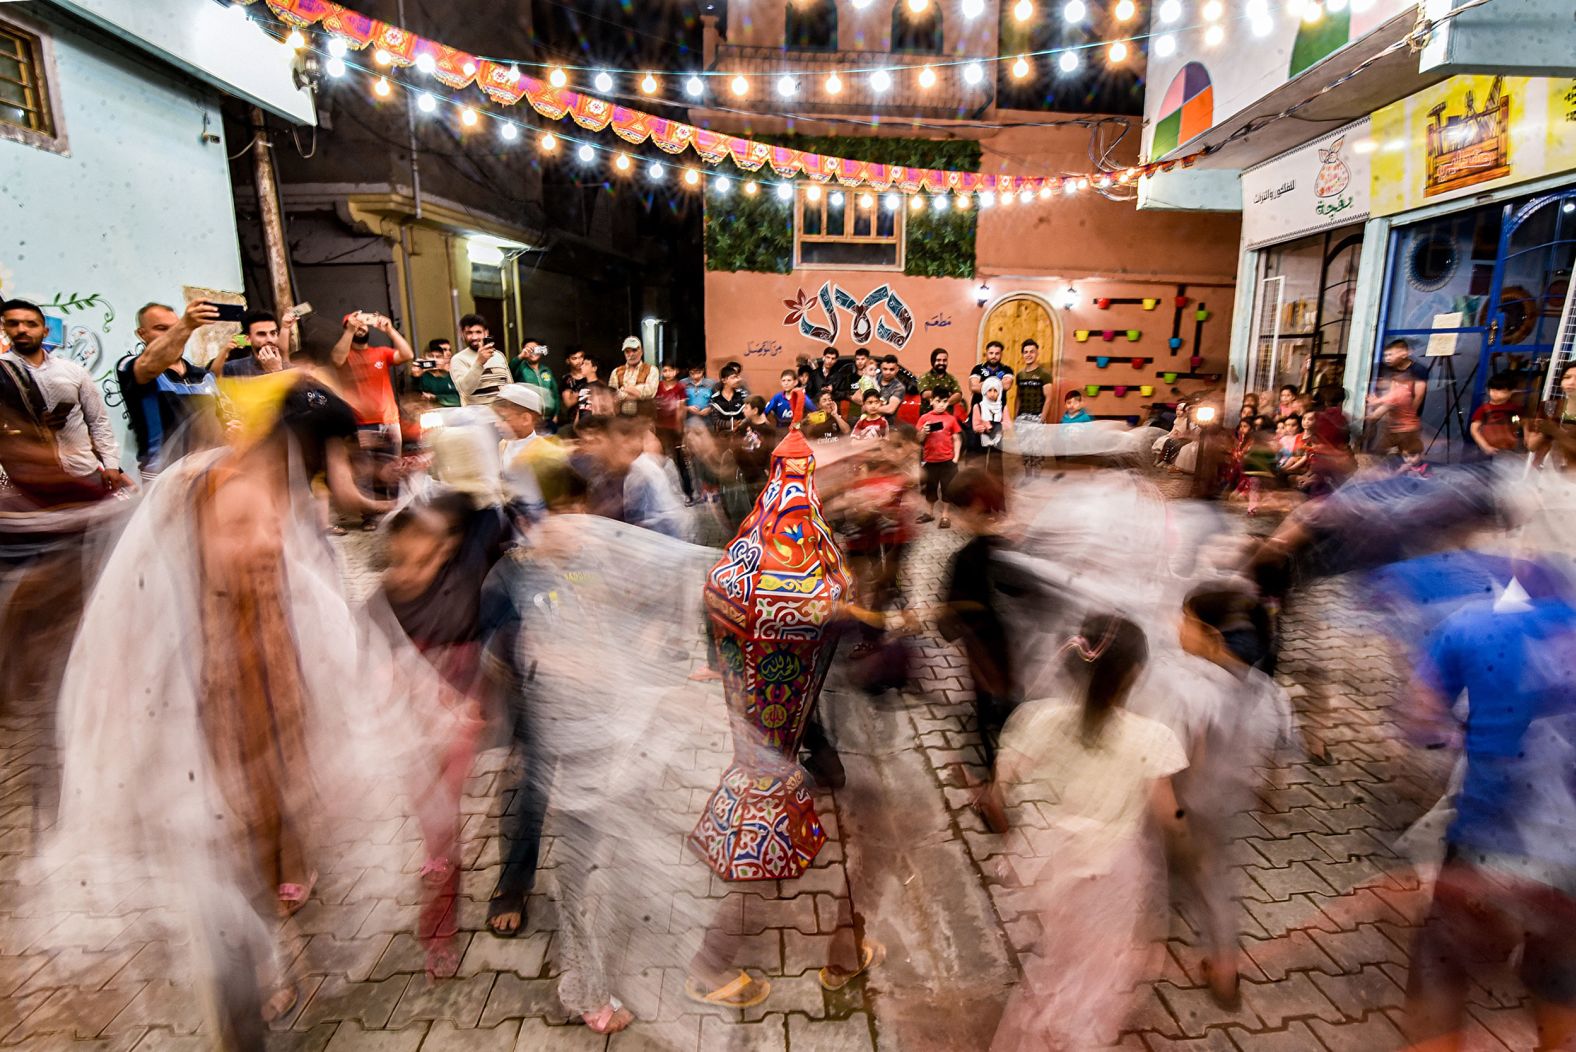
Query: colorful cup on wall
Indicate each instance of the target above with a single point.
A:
(1169, 378)
(1120, 390)
(1146, 390)
(1081, 335)
(1181, 302)
(1133, 335)
(1201, 314)
(1108, 335)
(1196, 361)
(1139, 363)
(1091, 389)
(1102, 361)
(1151, 304)
(1104, 303)
(1175, 343)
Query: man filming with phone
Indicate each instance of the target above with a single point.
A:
(162, 390)
(480, 368)
(366, 373)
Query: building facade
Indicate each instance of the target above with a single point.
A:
(1130, 307)
(111, 204)
(1445, 219)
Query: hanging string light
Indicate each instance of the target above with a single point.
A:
(295, 41)
(381, 88)
(1117, 53)
(337, 47)
(1075, 11)
(1164, 46)
(426, 103)
(1020, 68)
(654, 171)
(880, 81)
(557, 77)
(721, 184)
(604, 81)
(891, 201)
(812, 193)
(1023, 10)
(382, 57)
(586, 153)
(1069, 62)
(622, 162)
(508, 131)
(468, 117)
(1170, 11)
(694, 87)
(916, 203)
(741, 87)
(1124, 10)
(548, 142)
(751, 188)
(648, 85)
(973, 73)
(691, 177)
(927, 77)
(834, 84)
(784, 191)
(866, 200)
(425, 63)
(972, 9)
(787, 87)
(1214, 35)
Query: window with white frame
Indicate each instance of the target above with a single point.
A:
(851, 230)
(27, 111)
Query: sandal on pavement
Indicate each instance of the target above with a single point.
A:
(609, 1019)
(1230, 1001)
(873, 954)
(435, 872)
(741, 992)
(281, 1002)
(501, 905)
(293, 896)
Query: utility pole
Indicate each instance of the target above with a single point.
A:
(273, 222)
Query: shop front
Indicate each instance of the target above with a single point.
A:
(1303, 217)
(1475, 181)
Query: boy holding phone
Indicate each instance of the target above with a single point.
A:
(941, 444)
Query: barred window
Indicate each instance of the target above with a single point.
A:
(847, 228)
(24, 93)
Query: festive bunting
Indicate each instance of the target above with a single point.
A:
(506, 85)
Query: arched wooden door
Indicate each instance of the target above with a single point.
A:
(1019, 318)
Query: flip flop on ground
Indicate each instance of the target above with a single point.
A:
(835, 978)
(739, 992)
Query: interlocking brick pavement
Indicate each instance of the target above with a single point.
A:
(1328, 913)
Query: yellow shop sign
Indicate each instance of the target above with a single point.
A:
(1467, 135)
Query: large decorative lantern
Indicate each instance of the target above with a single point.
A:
(771, 601)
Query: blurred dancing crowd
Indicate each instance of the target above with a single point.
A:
(229, 715)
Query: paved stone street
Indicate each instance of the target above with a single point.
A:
(1328, 915)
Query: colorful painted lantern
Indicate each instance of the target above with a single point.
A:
(771, 601)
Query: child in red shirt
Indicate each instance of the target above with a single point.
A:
(941, 438)
(672, 403)
(1496, 424)
(873, 423)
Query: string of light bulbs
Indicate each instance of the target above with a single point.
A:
(586, 151)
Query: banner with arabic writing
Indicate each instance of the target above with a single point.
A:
(1315, 187)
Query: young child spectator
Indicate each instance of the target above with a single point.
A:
(825, 422)
(787, 405)
(726, 410)
(753, 445)
(697, 392)
(872, 423)
(1074, 411)
(671, 406)
(1496, 424)
(941, 438)
(988, 423)
(869, 377)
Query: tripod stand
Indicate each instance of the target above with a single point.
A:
(1454, 406)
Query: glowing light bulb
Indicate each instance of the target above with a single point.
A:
(916, 203)
(1025, 197)
(426, 103)
(604, 81)
(1212, 10)
(1020, 68)
(918, 6)
(1070, 186)
(741, 87)
(548, 142)
(469, 69)
(335, 67)
(1023, 10)
(964, 202)
(1069, 62)
(426, 63)
(973, 73)
(890, 202)
(940, 203)
(866, 200)
(721, 184)
(787, 87)
(508, 131)
(1006, 198)
(834, 84)
(835, 199)
(987, 198)
(468, 117)
(751, 188)
(514, 74)
(382, 88)
(1124, 10)
(812, 193)
(1045, 191)
(648, 85)
(654, 171)
(785, 191)
(621, 162)
(694, 87)
(973, 8)
(557, 77)
(1214, 35)
(1075, 10)
(1165, 46)
(927, 77)
(1117, 53)
(1170, 11)
(586, 154)
(880, 81)
(337, 47)
(691, 177)
(295, 40)
(1312, 12)
(382, 57)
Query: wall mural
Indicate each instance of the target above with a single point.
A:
(832, 299)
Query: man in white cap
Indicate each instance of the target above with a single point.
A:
(519, 408)
(634, 382)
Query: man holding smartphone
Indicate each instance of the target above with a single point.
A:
(479, 369)
(161, 389)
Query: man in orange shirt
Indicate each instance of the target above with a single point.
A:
(366, 374)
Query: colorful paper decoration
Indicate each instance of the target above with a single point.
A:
(1175, 342)
(505, 84)
(1132, 335)
(1146, 390)
(1201, 314)
(1081, 335)
(1150, 303)
(1169, 378)
(1091, 389)
(1108, 335)
(770, 600)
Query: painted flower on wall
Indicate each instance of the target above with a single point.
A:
(797, 308)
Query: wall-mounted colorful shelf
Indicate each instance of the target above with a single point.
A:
(1104, 360)
(1107, 302)
(1120, 390)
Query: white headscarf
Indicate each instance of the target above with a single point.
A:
(991, 412)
